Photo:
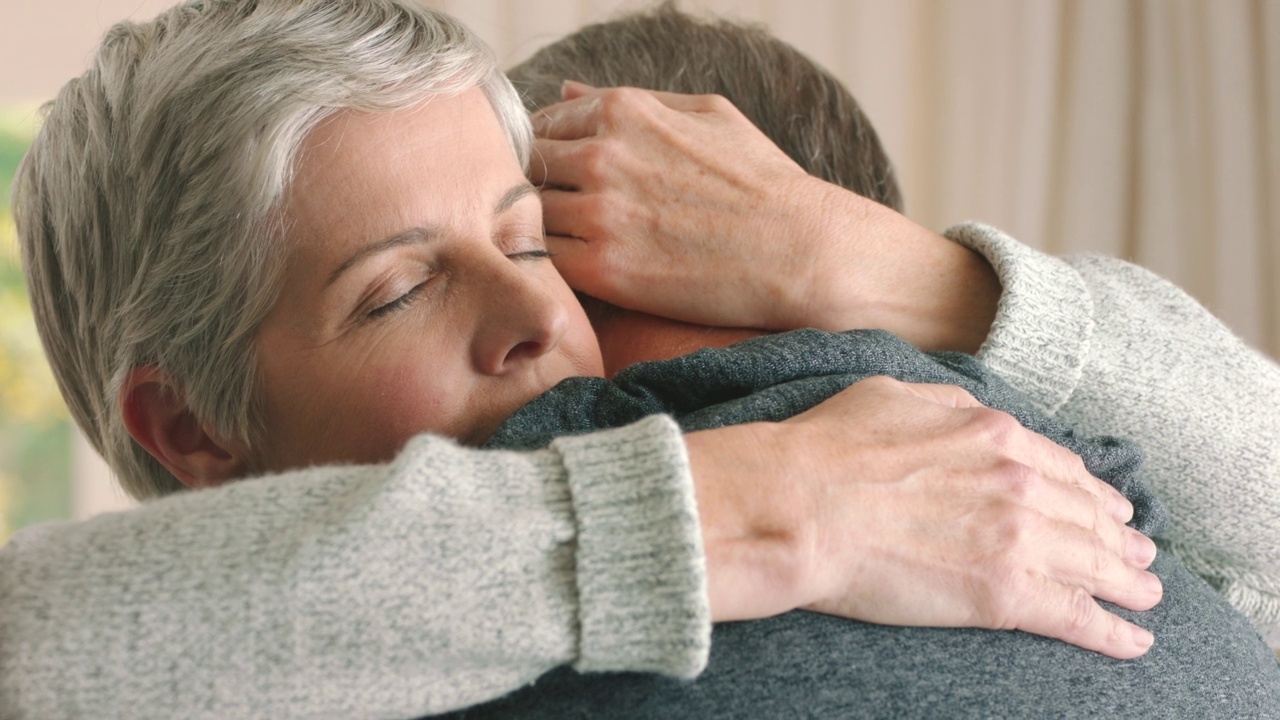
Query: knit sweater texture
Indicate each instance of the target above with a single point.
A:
(1111, 349)
(1209, 661)
(443, 579)
(452, 576)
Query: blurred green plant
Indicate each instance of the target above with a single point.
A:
(35, 434)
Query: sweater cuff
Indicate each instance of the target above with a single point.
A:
(1044, 321)
(642, 585)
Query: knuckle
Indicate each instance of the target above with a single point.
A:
(1117, 633)
(999, 429)
(1081, 611)
(1101, 560)
(1012, 579)
(1072, 468)
(1074, 463)
(1017, 481)
(596, 157)
(1012, 527)
(715, 103)
(617, 103)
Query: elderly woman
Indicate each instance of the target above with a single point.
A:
(263, 273)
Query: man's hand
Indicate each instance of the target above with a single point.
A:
(677, 206)
(914, 505)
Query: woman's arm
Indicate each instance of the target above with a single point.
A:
(1111, 348)
(444, 579)
(452, 575)
(676, 206)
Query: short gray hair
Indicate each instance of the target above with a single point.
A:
(148, 205)
(805, 110)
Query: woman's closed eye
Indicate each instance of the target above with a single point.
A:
(406, 299)
(539, 254)
(400, 303)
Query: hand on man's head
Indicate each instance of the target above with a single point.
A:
(678, 206)
(652, 200)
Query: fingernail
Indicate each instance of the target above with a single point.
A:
(1142, 638)
(1152, 583)
(1141, 550)
(1121, 508)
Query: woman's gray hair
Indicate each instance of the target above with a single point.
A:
(806, 111)
(147, 207)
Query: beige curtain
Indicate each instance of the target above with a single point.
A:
(1145, 129)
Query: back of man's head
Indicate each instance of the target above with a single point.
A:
(800, 106)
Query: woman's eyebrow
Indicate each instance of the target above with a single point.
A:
(512, 196)
(419, 235)
(412, 236)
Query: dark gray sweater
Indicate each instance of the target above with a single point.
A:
(777, 376)
(1207, 662)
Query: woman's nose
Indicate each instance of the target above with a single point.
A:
(521, 319)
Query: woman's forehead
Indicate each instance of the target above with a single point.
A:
(363, 175)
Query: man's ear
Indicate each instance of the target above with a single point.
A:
(156, 415)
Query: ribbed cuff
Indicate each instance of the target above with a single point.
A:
(641, 569)
(1044, 322)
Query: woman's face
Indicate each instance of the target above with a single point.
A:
(418, 296)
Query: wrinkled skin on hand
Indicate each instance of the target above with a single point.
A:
(889, 503)
(915, 505)
(637, 197)
(677, 206)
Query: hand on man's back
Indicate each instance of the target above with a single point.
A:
(914, 505)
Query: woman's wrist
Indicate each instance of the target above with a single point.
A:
(871, 267)
(747, 512)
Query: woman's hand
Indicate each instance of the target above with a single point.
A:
(677, 206)
(648, 198)
(914, 505)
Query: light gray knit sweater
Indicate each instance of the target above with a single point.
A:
(1111, 349)
(452, 576)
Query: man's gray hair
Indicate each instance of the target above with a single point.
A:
(802, 108)
(148, 205)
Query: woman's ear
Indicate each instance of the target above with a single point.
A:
(156, 415)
